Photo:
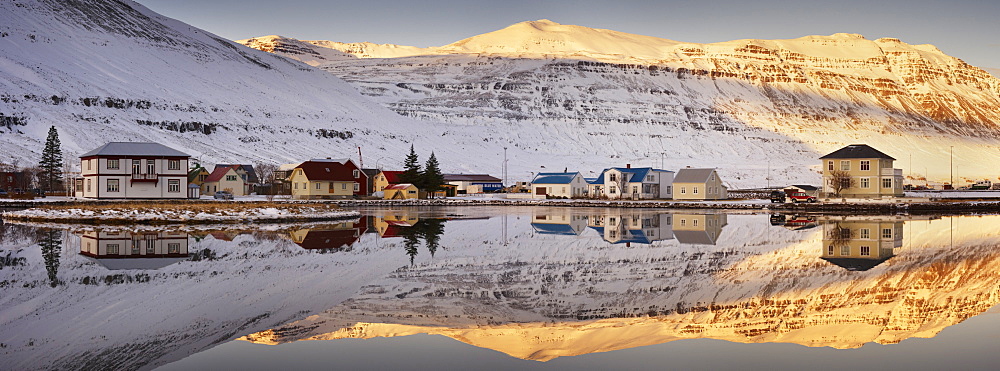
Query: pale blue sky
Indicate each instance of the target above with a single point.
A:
(966, 29)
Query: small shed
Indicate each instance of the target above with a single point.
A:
(194, 191)
(404, 191)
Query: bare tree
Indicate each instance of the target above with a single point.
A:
(841, 180)
(266, 175)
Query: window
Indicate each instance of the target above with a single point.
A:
(694, 190)
(295, 185)
(866, 251)
(150, 166)
(318, 185)
(829, 250)
(357, 187)
(866, 165)
(684, 222)
(411, 192)
(113, 249)
(829, 165)
(173, 248)
(635, 189)
(342, 185)
(88, 164)
(357, 173)
(649, 178)
(612, 190)
(865, 233)
(135, 166)
(694, 223)
(845, 165)
(230, 178)
(112, 185)
(886, 232)
(683, 190)
(173, 185)
(887, 183)
(845, 250)
(88, 185)
(614, 177)
(865, 183)
(174, 164)
(135, 247)
(113, 164)
(845, 233)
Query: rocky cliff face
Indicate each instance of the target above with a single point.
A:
(611, 94)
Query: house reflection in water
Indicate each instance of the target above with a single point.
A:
(699, 229)
(860, 243)
(330, 236)
(559, 221)
(134, 250)
(618, 226)
(391, 225)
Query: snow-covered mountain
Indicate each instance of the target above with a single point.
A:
(592, 96)
(108, 70)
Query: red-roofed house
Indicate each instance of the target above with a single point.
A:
(225, 179)
(328, 178)
(404, 191)
(386, 178)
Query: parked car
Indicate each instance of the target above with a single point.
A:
(777, 197)
(223, 195)
(3, 193)
(801, 197)
(38, 192)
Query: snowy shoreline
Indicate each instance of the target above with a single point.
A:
(160, 216)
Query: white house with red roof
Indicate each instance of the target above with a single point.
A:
(133, 170)
(226, 178)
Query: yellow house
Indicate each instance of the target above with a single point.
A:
(405, 191)
(862, 171)
(860, 244)
(224, 179)
(698, 229)
(326, 178)
(385, 179)
(699, 184)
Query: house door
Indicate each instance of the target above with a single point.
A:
(540, 191)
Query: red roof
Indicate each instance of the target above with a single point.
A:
(392, 176)
(329, 239)
(219, 172)
(342, 170)
(399, 186)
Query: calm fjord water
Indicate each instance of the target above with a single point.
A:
(503, 288)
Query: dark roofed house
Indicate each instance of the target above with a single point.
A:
(328, 178)
(861, 171)
(133, 170)
(634, 183)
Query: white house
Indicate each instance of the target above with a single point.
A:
(133, 170)
(633, 183)
(559, 185)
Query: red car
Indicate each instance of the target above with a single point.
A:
(801, 197)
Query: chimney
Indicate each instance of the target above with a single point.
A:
(628, 166)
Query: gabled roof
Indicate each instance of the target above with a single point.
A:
(135, 149)
(329, 239)
(326, 169)
(636, 174)
(554, 178)
(694, 237)
(688, 175)
(560, 229)
(470, 178)
(857, 151)
(855, 264)
(219, 172)
(400, 186)
(392, 176)
(591, 180)
(251, 173)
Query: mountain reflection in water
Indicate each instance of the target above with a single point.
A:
(534, 283)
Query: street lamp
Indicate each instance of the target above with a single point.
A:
(951, 166)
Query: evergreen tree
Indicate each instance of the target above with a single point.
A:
(411, 169)
(431, 178)
(52, 162)
(51, 248)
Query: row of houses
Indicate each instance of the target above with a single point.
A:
(632, 183)
(152, 170)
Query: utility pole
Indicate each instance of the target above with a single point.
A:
(505, 166)
(952, 168)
